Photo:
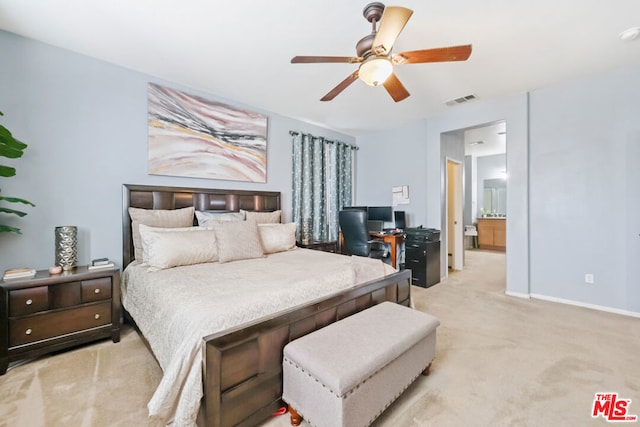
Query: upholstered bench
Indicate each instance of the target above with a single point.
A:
(349, 372)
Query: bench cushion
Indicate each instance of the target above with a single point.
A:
(344, 354)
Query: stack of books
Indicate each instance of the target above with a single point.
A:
(19, 273)
(101, 263)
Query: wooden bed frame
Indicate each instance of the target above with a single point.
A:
(242, 375)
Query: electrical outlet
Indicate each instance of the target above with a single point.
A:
(588, 278)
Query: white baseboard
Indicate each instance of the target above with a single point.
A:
(585, 305)
(517, 294)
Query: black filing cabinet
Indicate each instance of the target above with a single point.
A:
(422, 256)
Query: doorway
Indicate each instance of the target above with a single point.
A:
(455, 237)
(471, 157)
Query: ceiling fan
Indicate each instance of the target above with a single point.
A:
(375, 57)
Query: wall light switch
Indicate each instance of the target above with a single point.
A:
(588, 278)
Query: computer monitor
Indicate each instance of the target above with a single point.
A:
(400, 219)
(380, 213)
(356, 208)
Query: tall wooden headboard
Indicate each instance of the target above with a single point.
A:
(203, 199)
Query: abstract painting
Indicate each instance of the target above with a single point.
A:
(193, 137)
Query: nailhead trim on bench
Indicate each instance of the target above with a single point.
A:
(348, 392)
(352, 390)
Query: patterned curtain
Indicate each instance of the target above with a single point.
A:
(322, 184)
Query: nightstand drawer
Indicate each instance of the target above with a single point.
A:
(49, 325)
(96, 289)
(28, 301)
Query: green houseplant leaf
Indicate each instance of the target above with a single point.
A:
(7, 229)
(7, 171)
(11, 148)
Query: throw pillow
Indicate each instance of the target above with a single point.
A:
(277, 237)
(207, 219)
(157, 218)
(166, 248)
(238, 240)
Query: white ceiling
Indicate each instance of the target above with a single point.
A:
(241, 49)
(486, 140)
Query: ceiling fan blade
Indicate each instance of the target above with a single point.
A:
(317, 59)
(341, 86)
(393, 20)
(395, 88)
(442, 54)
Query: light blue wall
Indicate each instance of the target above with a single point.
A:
(470, 190)
(573, 192)
(86, 125)
(393, 158)
(585, 190)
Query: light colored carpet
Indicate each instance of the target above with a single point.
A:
(501, 361)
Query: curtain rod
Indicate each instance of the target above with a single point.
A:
(353, 147)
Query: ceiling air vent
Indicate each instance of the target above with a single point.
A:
(462, 99)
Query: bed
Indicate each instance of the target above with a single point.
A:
(239, 366)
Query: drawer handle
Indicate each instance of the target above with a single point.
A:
(97, 316)
(97, 291)
(28, 331)
(29, 301)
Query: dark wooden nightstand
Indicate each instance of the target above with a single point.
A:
(326, 246)
(47, 313)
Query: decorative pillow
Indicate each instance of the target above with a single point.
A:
(157, 218)
(166, 248)
(263, 217)
(145, 256)
(207, 219)
(238, 240)
(277, 237)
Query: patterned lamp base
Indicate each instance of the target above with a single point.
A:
(67, 247)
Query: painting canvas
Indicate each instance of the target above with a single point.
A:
(193, 137)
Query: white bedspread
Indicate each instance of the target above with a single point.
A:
(175, 308)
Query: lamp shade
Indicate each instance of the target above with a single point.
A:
(375, 70)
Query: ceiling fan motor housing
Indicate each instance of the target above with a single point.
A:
(363, 47)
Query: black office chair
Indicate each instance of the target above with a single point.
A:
(357, 241)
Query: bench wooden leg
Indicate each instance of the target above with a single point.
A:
(296, 419)
(426, 370)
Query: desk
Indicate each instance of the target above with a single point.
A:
(393, 239)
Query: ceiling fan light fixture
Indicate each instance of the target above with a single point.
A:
(375, 70)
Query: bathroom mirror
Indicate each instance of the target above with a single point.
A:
(495, 196)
